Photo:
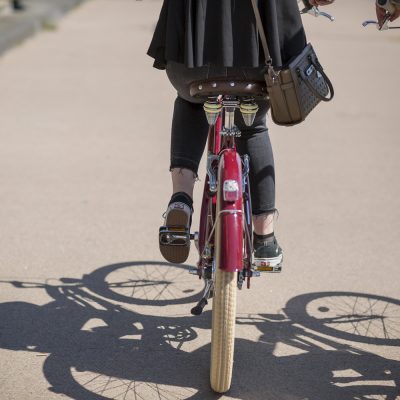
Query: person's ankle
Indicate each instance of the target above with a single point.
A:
(263, 239)
(181, 197)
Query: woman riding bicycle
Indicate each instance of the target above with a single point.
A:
(199, 39)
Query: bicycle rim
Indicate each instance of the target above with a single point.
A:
(223, 330)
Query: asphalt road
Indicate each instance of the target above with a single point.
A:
(88, 308)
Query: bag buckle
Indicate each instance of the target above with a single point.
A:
(272, 74)
(310, 70)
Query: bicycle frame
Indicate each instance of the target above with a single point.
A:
(224, 243)
(225, 220)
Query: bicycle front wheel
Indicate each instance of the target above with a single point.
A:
(223, 330)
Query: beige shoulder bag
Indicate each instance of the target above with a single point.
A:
(295, 90)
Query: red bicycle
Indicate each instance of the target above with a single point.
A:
(224, 240)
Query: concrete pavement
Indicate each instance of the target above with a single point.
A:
(89, 310)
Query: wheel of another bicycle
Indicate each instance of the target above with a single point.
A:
(360, 317)
(223, 330)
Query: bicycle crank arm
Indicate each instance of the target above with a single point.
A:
(198, 309)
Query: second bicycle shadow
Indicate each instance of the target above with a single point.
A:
(102, 344)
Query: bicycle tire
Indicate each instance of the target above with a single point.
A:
(223, 330)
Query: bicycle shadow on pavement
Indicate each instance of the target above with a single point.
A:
(101, 348)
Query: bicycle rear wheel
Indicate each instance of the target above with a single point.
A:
(223, 330)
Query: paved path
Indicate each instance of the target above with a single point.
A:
(16, 26)
(89, 310)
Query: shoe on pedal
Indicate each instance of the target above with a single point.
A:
(174, 236)
(268, 254)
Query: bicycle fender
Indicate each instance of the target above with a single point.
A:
(229, 230)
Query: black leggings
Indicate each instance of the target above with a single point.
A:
(190, 128)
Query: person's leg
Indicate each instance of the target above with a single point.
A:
(183, 181)
(188, 139)
(255, 142)
(263, 224)
(189, 128)
(18, 5)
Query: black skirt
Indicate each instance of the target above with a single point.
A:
(223, 32)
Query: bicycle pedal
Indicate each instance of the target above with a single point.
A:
(263, 266)
(174, 236)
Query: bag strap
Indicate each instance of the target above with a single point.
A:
(260, 29)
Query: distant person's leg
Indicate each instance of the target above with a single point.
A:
(17, 5)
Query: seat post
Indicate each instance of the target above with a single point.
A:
(230, 104)
(229, 120)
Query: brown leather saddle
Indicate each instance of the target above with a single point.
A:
(226, 86)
